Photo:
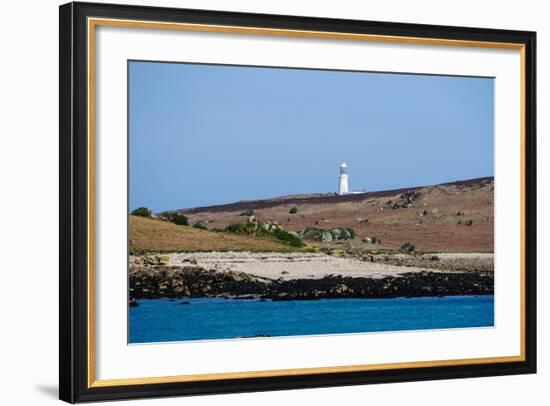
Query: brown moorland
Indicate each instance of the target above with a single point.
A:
(450, 217)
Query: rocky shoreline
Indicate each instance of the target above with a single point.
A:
(153, 278)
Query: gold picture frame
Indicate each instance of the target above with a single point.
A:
(78, 26)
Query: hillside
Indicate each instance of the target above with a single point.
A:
(451, 217)
(148, 234)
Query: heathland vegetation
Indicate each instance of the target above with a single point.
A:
(452, 217)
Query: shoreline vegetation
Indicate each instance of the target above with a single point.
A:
(427, 241)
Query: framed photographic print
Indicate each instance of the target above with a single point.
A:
(257, 202)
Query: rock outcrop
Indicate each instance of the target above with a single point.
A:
(163, 281)
(334, 234)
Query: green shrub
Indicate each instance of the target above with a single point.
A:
(294, 210)
(247, 228)
(407, 248)
(312, 233)
(178, 219)
(200, 226)
(287, 238)
(142, 211)
(266, 230)
(248, 213)
(233, 228)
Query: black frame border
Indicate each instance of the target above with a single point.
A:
(73, 244)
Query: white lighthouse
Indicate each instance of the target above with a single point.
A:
(343, 187)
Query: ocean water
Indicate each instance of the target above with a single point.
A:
(161, 320)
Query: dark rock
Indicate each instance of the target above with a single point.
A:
(197, 282)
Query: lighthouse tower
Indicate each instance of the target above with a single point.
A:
(343, 183)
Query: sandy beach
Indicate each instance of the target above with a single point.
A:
(289, 266)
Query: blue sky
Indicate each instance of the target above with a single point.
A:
(209, 134)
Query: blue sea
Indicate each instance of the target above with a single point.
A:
(162, 320)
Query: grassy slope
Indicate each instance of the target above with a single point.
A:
(156, 235)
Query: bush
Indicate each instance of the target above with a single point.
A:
(294, 210)
(247, 228)
(233, 228)
(407, 248)
(178, 219)
(200, 226)
(269, 230)
(287, 238)
(248, 213)
(314, 233)
(142, 211)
